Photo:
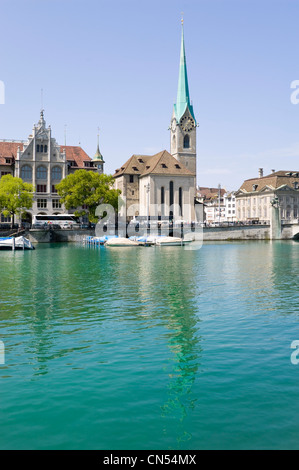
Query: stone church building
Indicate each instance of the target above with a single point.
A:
(163, 185)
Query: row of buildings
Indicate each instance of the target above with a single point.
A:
(156, 186)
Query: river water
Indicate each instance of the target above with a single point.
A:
(150, 347)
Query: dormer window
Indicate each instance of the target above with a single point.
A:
(140, 160)
(254, 187)
(8, 161)
(177, 166)
(295, 184)
(135, 168)
(163, 165)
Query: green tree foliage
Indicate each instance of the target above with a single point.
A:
(15, 196)
(86, 188)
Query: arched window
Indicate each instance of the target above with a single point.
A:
(181, 201)
(56, 173)
(170, 196)
(162, 200)
(41, 173)
(162, 195)
(186, 142)
(26, 172)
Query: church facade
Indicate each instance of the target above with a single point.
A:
(163, 185)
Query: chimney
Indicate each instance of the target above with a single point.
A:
(261, 172)
(273, 171)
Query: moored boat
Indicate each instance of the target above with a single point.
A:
(15, 243)
(120, 241)
(169, 241)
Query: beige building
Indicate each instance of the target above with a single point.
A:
(156, 186)
(255, 197)
(43, 162)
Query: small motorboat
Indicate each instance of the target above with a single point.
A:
(120, 241)
(169, 241)
(15, 243)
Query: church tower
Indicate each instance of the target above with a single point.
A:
(98, 160)
(183, 122)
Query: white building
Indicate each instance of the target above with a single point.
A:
(256, 195)
(163, 185)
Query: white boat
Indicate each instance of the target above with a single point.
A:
(15, 243)
(119, 241)
(169, 241)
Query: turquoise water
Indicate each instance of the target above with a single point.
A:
(150, 348)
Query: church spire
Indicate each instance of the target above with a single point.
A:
(183, 98)
(98, 158)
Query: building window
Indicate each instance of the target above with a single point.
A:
(54, 190)
(45, 148)
(5, 220)
(131, 178)
(26, 172)
(41, 173)
(41, 188)
(133, 192)
(186, 142)
(162, 195)
(8, 160)
(3, 173)
(56, 173)
(171, 193)
(56, 204)
(41, 203)
(181, 201)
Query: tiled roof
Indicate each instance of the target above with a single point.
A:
(161, 163)
(9, 150)
(77, 154)
(73, 153)
(209, 193)
(274, 180)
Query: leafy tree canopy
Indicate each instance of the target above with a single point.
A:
(87, 188)
(15, 195)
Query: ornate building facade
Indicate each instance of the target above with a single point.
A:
(43, 162)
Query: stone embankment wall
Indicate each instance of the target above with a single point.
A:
(52, 236)
(246, 232)
(250, 232)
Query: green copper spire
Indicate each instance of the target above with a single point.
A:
(98, 156)
(183, 98)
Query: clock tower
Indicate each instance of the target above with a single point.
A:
(183, 122)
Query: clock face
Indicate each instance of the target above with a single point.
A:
(187, 123)
(173, 125)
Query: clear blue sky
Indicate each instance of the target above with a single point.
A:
(114, 64)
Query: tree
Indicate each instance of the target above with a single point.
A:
(15, 196)
(86, 188)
